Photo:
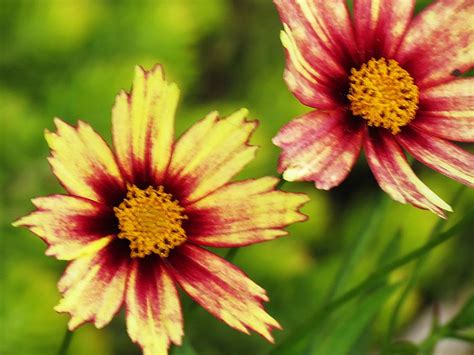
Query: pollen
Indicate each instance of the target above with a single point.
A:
(384, 94)
(151, 220)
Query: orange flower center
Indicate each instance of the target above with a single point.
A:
(384, 94)
(151, 220)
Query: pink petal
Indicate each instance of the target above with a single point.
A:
(84, 163)
(243, 213)
(439, 154)
(460, 129)
(319, 44)
(395, 176)
(154, 318)
(71, 226)
(439, 41)
(320, 146)
(222, 289)
(447, 110)
(380, 26)
(93, 286)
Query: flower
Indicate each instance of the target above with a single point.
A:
(384, 81)
(135, 219)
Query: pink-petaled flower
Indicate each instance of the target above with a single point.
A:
(135, 219)
(382, 80)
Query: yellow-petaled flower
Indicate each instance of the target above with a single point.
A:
(135, 219)
(383, 81)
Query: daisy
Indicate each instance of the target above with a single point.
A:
(382, 80)
(134, 220)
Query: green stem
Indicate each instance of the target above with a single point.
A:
(280, 183)
(65, 343)
(231, 254)
(361, 240)
(428, 345)
(438, 333)
(373, 279)
(415, 273)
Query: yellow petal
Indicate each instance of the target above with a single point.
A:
(93, 286)
(70, 225)
(154, 318)
(243, 213)
(222, 289)
(143, 126)
(210, 153)
(83, 162)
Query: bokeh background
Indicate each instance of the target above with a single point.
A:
(68, 59)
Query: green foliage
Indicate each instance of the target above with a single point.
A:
(465, 317)
(402, 348)
(350, 325)
(185, 349)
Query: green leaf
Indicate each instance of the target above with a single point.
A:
(402, 348)
(294, 345)
(374, 279)
(350, 327)
(362, 240)
(391, 250)
(465, 317)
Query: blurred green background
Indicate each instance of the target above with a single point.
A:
(69, 59)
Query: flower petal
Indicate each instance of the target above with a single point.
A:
(243, 213)
(380, 26)
(93, 286)
(143, 126)
(320, 146)
(447, 110)
(222, 289)
(456, 128)
(154, 318)
(209, 154)
(394, 175)
(84, 163)
(71, 226)
(440, 155)
(319, 44)
(439, 41)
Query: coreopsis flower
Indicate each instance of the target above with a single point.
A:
(382, 80)
(135, 220)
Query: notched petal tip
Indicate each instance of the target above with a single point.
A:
(18, 223)
(156, 69)
(153, 309)
(243, 111)
(83, 162)
(143, 125)
(222, 289)
(290, 175)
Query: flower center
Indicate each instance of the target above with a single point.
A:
(384, 94)
(151, 220)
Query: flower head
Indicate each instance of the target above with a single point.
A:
(382, 80)
(134, 220)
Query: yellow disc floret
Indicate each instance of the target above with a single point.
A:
(151, 220)
(384, 94)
